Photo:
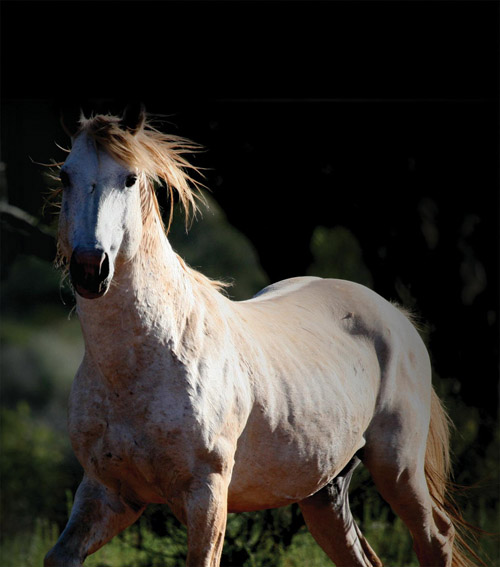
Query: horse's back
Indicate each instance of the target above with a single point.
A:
(346, 306)
(332, 322)
(284, 286)
(352, 314)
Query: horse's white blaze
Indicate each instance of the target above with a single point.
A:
(187, 398)
(98, 210)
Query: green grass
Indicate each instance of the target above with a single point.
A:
(28, 550)
(139, 547)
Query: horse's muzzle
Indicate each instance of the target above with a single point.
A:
(89, 271)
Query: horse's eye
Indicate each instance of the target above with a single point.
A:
(131, 179)
(64, 177)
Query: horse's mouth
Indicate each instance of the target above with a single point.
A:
(91, 293)
(89, 271)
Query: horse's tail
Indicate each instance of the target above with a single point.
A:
(437, 472)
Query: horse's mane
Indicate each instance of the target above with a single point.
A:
(160, 160)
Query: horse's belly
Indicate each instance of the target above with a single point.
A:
(276, 478)
(276, 466)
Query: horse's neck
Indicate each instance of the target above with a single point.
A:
(144, 313)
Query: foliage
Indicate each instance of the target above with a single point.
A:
(28, 549)
(34, 463)
(337, 254)
(219, 250)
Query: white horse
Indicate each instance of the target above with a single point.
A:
(187, 398)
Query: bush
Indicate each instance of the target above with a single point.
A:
(36, 466)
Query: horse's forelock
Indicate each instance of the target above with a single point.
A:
(159, 156)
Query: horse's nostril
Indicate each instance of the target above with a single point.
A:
(105, 266)
(89, 271)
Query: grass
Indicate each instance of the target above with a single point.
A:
(139, 547)
(28, 550)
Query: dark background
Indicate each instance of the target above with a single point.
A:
(378, 116)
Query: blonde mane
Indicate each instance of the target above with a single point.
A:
(158, 156)
(159, 159)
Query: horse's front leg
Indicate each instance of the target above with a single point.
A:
(206, 516)
(98, 514)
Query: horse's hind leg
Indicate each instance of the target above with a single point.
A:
(329, 519)
(395, 457)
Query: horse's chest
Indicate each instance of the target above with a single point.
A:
(133, 445)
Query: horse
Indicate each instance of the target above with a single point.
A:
(187, 398)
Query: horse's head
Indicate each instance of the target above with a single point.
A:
(100, 221)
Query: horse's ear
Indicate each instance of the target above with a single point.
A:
(133, 118)
(70, 120)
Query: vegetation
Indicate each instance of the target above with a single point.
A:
(41, 348)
